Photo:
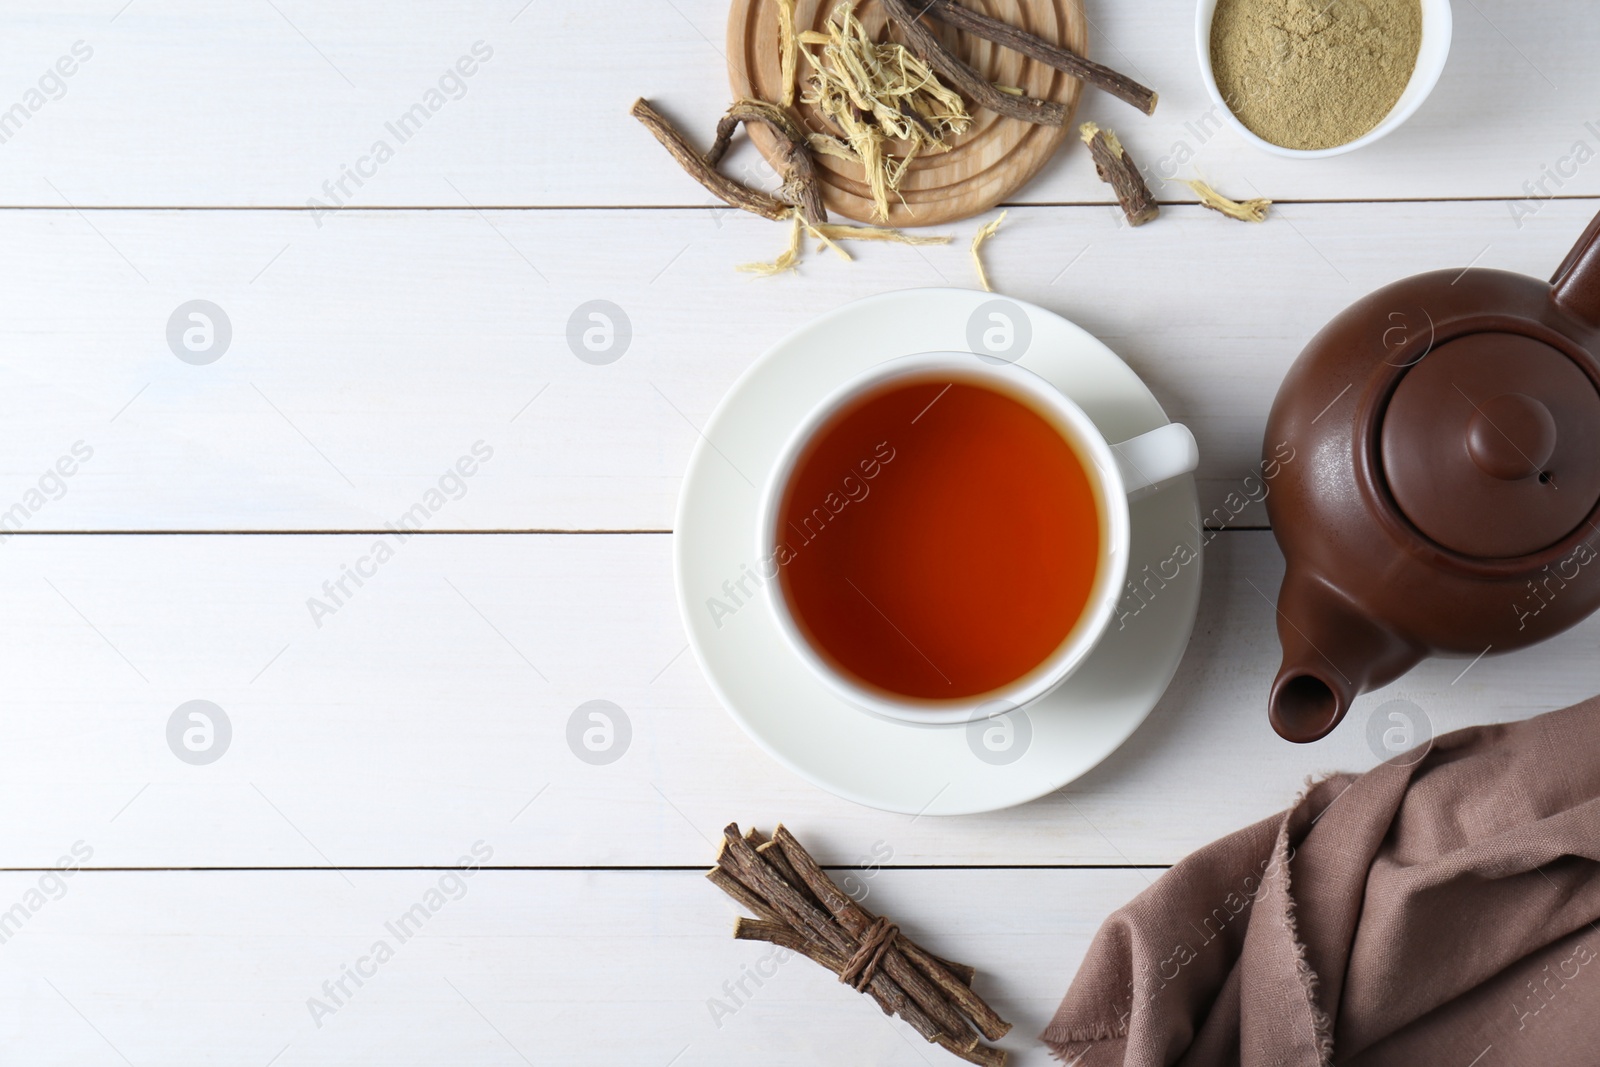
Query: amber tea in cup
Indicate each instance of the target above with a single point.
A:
(949, 535)
(944, 538)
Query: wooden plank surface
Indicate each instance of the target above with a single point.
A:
(186, 103)
(377, 355)
(433, 706)
(366, 359)
(513, 967)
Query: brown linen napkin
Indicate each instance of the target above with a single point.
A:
(1435, 910)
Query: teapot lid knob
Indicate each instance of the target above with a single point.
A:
(1490, 445)
(1511, 436)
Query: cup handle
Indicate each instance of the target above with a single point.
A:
(1151, 460)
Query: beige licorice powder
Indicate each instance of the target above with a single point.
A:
(1314, 73)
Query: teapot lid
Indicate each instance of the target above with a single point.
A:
(1491, 445)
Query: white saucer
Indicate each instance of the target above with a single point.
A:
(898, 766)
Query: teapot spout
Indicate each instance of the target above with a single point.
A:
(1332, 652)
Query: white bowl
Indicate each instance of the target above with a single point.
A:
(1431, 56)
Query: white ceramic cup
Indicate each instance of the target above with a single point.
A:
(1117, 473)
(1431, 55)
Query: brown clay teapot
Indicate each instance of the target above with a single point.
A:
(1441, 494)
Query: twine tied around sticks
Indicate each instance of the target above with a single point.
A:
(863, 963)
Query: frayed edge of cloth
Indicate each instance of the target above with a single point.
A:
(1321, 1023)
(1068, 1044)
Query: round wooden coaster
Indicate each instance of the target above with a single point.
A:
(994, 158)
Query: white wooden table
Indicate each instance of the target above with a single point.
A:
(375, 745)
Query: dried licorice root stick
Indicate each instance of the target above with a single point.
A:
(982, 1055)
(792, 904)
(1245, 211)
(927, 47)
(986, 231)
(1068, 62)
(1117, 170)
(798, 907)
(795, 163)
(722, 187)
(783, 935)
(886, 950)
(857, 920)
(739, 860)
